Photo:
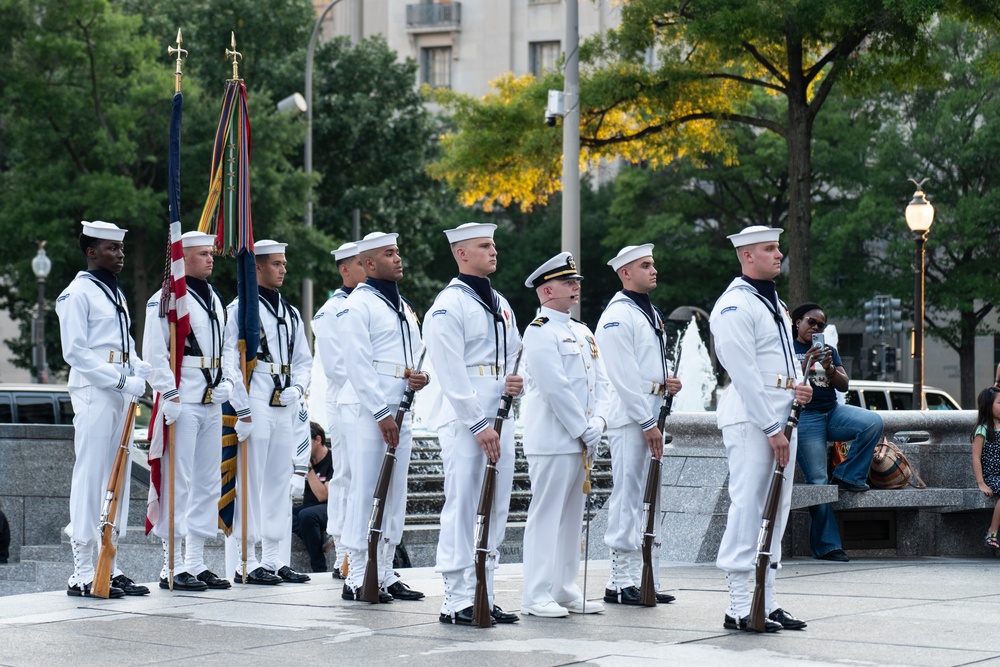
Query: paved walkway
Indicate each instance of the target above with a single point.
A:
(867, 612)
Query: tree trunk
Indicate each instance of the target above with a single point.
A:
(799, 140)
(967, 361)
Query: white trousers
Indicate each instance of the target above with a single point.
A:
(366, 453)
(464, 467)
(340, 483)
(99, 415)
(197, 482)
(751, 468)
(553, 530)
(269, 460)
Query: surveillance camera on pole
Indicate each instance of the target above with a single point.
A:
(556, 107)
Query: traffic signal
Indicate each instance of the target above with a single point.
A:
(873, 317)
(890, 359)
(874, 359)
(894, 315)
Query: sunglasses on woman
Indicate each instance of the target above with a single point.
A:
(819, 324)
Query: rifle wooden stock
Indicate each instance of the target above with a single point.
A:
(481, 616)
(101, 586)
(758, 620)
(649, 517)
(370, 587)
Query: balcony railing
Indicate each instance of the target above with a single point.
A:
(434, 16)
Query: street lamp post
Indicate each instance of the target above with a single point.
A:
(919, 218)
(41, 265)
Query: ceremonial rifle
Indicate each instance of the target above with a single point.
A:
(109, 530)
(481, 616)
(758, 622)
(650, 498)
(370, 587)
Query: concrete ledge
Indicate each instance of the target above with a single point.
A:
(900, 499)
(806, 495)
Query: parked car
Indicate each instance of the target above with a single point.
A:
(51, 404)
(896, 396)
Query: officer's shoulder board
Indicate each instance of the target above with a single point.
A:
(539, 321)
(578, 321)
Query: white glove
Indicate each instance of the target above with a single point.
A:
(298, 486)
(142, 369)
(290, 396)
(243, 429)
(171, 411)
(222, 392)
(134, 386)
(591, 438)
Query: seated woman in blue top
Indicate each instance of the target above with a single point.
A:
(825, 419)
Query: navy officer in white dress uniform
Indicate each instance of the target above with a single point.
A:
(752, 332)
(195, 410)
(277, 381)
(632, 338)
(565, 406)
(472, 341)
(330, 351)
(105, 374)
(381, 339)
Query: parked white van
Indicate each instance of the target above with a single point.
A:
(896, 396)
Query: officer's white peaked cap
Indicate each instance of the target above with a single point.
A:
(345, 251)
(471, 230)
(98, 229)
(376, 240)
(560, 267)
(629, 254)
(196, 239)
(755, 234)
(269, 247)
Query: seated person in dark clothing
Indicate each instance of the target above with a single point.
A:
(309, 518)
(825, 419)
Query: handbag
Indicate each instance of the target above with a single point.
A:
(891, 469)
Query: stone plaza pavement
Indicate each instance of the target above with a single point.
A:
(934, 611)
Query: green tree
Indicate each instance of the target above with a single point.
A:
(677, 76)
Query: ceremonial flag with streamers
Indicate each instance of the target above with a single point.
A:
(173, 306)
(227, 216)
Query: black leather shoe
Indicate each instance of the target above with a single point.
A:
(730, 623)
(664, 598)
(128, 586)
(212, 581)
(337, 574)
(837, 555)
(355, 594)
(258, 576)
(787, 621)
(849, 486)
(291, 576)
(463, 617)
(83, 591)
(401, 591)
(627, 595)
(184, 581)
(501, 616)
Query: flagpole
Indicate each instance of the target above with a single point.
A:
(171, 432)
(243, 472)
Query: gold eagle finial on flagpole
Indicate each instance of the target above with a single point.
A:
(181, 53)
(235, 54)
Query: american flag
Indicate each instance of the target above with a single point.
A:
(173, 306)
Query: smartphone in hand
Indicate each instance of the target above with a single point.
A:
(819, 341)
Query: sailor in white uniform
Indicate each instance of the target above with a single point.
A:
(330, 350)
(472, 341)
(277, 381)
(632, 338)
(195, 410)
(381, 339)
(105, 375)
(565, 406)
(752, 332)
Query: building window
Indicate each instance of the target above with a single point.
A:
(542, 56)
(435, 66)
